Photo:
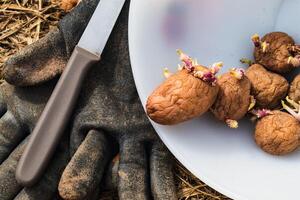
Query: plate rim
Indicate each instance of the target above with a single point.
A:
(221, 189)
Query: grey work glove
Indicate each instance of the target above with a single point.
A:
(19, 110)
(108, 118)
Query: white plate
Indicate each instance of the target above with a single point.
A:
(214, 30)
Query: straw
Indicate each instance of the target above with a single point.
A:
(23, 22)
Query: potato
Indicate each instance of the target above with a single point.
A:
(276, 51)
(278, 133)
(294, 92)
(233, 98)
(268, 88)
(180, 98)
(68, 5)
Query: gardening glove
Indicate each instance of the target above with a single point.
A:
(19, 111)
(108, 118)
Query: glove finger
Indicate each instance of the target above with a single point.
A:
(85, 170)
(46, 189)
(9, 187)
(161, 172)
(3, 107)
(57, 197)
(11, 135)
(110, 182)
(37, 63)
(133, 179)
(77, 137)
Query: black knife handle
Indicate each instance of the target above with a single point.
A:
(51, 124)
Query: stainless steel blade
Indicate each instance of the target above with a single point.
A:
(100, 26)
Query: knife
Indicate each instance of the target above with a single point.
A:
(52, 122)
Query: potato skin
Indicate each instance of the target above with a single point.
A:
(294, 92)
(180, 98)
(277, 134)
(277, 54)
(68, 5)
(233, 99)
(268, 88)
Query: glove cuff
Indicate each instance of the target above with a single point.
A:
(73, 25)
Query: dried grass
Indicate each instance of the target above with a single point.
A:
(190, 187)
(23, 22)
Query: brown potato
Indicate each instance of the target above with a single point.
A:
(278, 133)
(68, 5)
(233, 99)
(294, 92)
(268, 88)
(277, 52)
(180, 98)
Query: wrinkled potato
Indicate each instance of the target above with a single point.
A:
(278, 133)
(180, 98)
(68, 5)
(268, 88)
(276, 51)
(233, 98)
(294, 92)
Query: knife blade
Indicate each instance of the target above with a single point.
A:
(108, 11)
(52, 122)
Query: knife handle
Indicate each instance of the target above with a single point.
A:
(52, 122)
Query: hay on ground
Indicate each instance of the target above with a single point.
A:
(23, 22)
